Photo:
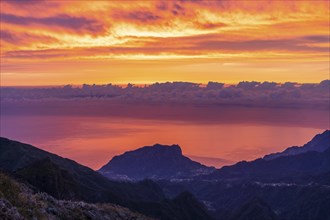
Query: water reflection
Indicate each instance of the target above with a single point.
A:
(93, 141)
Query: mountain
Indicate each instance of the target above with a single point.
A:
(286, 167)
(184, 205)
(19, 202)
(189, 207)
(308, 162)
(91, 186)
(65, 179)
(319, 143)
(49, 177)
(225, 199)
(255, 209)
(153, 162)
(293, 187)
(286, 187)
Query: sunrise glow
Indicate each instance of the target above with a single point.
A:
(149, 41)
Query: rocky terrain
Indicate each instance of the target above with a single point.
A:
(18, 202)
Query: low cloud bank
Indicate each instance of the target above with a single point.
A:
(251, 94)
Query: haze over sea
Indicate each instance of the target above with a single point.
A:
(93, 135)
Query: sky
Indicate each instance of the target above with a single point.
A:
(76, 42)
(253, 47)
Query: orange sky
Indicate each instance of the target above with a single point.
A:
(75, 42)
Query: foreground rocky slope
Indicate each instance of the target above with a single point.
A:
(19, 202)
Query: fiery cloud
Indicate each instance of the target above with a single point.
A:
(159, 35)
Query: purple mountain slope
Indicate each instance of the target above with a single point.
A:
(319, 143)
(153, 162)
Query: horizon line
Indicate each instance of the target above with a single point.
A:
(148, 83)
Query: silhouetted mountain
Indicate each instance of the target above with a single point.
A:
(319, 143)
(66, 179)
(153, 162)
(255, 209)
(310, 164)
(287, 167)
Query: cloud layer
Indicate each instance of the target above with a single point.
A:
(247, 94)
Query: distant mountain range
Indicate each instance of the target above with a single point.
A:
(287, 187)
(153, 162)
(285, 168)
(293, 184)
(319, 143)
(167, 162)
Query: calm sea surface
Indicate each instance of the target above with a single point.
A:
(94, 140)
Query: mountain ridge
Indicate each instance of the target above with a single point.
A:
(319, 143)
(41, 168)
(309, 163)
